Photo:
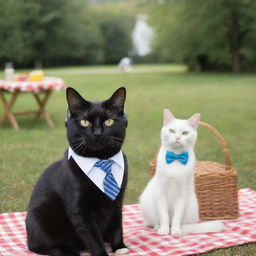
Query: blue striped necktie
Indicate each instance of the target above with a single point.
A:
(110, 185)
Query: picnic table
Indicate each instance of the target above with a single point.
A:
(40, 90)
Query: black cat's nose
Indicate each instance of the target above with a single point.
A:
(97, 132)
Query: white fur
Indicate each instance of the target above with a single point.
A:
(169, 203)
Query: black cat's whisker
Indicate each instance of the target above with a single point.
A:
(115, 147)
(115, 144)
(118, 143)
(80, 145)
(116, 139)
(84, 147)
(77, 149)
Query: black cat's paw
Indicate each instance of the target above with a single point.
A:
(122, 251)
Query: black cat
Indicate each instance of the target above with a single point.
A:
(68, 213)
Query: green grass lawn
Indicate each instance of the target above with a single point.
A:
(226, 101)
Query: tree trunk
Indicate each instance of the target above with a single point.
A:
(234, 39)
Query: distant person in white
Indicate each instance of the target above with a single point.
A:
(142, 36)
(96, 174)
(125, 64)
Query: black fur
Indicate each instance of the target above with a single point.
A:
(67, 213)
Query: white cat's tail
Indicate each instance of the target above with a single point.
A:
(204, 227)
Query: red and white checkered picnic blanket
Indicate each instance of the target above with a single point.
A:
(49, 83)
(144, 241)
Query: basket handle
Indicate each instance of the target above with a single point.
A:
(223, 143)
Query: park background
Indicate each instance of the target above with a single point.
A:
(202, 59)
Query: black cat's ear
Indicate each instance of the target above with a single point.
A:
(117, 99)
(75, 100)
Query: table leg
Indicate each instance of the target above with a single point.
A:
(42, 102)
(8, 107)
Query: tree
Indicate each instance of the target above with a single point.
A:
(57, 31)
(42, 30)
(62, 32)
(15, 37)
(116, 29)
(206, 34)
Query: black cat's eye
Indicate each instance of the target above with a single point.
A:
(171, 131)
(109, 122)
(85, 123)
(185, 133)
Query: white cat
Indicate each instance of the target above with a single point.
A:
(169, 202)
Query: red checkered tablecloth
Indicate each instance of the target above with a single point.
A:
(144, 241)
(49, 83)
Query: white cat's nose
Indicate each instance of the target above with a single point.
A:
(177, 138)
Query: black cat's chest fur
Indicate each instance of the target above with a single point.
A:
(67, 212)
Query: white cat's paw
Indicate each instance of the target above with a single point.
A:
(122, 251)
(156, 227)
(175, 231)
(163, 230)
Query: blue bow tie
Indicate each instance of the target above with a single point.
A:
(170, 157)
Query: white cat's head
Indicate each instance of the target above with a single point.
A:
(177, 134)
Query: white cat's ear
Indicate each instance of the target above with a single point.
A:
(194, 120)
(168, 116)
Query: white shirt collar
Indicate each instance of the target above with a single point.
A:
(90, 161)
(86, 164)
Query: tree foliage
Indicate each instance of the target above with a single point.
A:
(14, 39)
(113, 26)
(206, 34)
(61, 32)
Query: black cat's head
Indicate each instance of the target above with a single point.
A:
(96, 129)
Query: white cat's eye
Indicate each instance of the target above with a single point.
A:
(85, 123)
(185, 133)
(171, 131)
(109, 122)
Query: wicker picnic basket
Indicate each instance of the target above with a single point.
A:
(216, 184)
